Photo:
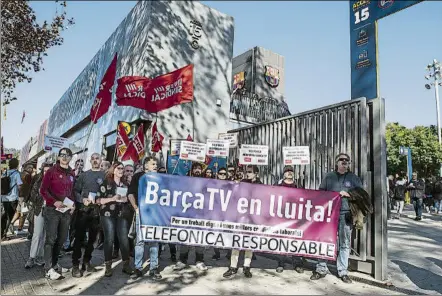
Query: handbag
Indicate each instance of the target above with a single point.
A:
(133, 229)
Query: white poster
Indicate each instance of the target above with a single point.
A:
(296, 155)
(175, 147)
(193, 151)
(254, 154)
(54, 144)
(232, 138)
(218, 148)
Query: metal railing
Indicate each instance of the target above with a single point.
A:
(249, 107)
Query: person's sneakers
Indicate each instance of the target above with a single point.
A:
(155, 274)
(299, 269)
(76, 272)
(173, 258)
(39, 261)
(179, 266)
(279, 269)
(316, 276)
(108, 270)
(346, 279)
(418, 219)
(137, 274)
(87, 266)
(53, 275)
(126, 268)
(216, 257)
(201, 266)
(30, 263)
(230, 272)
(247, 273)
(60, 269)
(29, 237)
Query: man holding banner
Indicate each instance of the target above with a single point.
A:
(341, 180)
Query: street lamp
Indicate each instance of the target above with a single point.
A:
(435, 79)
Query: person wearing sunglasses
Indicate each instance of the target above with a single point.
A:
(340, 180)
(221, 175)
(231, 172)
(57, 189)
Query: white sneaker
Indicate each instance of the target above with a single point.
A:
(60, 269)
(201, 266)
(53, 275)
(179, 266)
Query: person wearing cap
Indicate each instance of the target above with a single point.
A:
(38, 238)
(340, 180)
(289, 181)
(57, 189)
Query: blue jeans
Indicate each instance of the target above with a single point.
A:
(344, 242)
(438, 206)
(139, 249)
(417, 203)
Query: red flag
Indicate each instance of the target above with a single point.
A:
(157, 139)
(135, 149)
(104, 97)
(122, 140)
(189, 138)
(158, 94)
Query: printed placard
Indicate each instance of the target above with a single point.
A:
(54, 144)
(254, 155)
(193, 151)
(175, 146)
(232, 138)
(218, 148)
(296, 155)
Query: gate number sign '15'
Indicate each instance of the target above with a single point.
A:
(364, 16)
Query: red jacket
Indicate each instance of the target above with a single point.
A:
(57, 184)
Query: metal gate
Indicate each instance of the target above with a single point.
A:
(355, 127)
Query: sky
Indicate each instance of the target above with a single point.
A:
(313, 37)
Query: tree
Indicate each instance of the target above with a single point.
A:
(424, 144)
(24, 42)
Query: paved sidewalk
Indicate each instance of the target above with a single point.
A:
(415, 267)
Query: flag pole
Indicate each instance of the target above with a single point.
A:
(90, 130)
(115, 152)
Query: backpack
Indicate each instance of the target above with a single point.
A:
(399, 192)
(6, 184)
(429, 188)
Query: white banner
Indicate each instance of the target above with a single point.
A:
(193, 151)
(175, 146)
(254, 155)
(54, 144)
(218, 148)
(296, 155)
(232, 138)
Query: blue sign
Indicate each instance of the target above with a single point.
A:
(363, 43)
(176, 166)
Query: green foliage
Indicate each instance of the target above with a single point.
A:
(424, 144)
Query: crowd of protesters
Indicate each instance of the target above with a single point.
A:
(425, 194)
(72, 211)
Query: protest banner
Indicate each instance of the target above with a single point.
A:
(218, 148)
(193, 151)
(225, 214)
(175, 146)
(54, 144)
(296, 155)
(253, 155)
(232, 138)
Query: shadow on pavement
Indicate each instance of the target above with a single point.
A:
(422, 278)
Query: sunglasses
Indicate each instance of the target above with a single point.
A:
(222, 174)
(65, 155)
(344, 159)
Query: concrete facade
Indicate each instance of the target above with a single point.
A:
(253, 63)
(155, 38)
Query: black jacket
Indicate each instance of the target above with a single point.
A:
(419, 188)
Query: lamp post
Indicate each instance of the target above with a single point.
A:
(435, 78)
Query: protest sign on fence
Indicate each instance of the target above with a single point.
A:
(192, 151)
(296, 155)
(225, 214)
(254, 155)
(218, 148)
(232, 138)
(54, 144)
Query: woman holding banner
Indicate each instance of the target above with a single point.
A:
(115, 213)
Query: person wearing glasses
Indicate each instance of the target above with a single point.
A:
(340, 180)
(57, 189)
(222, 175)
(231, 172)
(115, 216)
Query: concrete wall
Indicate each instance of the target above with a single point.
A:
(253, 62)
(152, 40)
